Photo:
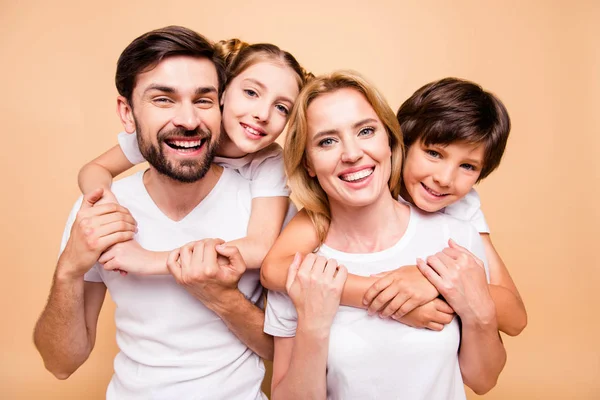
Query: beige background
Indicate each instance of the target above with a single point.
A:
(541, 57)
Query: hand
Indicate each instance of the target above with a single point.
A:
(209, 270)
(398, 292)
(460, 278)
(433, 315)
(131, 257)
(107, 197)
(96, 228)
(315, 287)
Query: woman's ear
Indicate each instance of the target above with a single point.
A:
(308, 168)
(125, 113)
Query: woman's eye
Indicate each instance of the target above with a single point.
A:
(326, 142)
(250, 92)
(366, 131)
(433, 153)
(282, 109)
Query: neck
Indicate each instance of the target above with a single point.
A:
(177, 199)
(367, 229)
(228, 149)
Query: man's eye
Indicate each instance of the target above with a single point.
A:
(163, 100)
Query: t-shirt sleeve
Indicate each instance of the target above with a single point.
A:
(469, 209)
(281, 318)
(129, 145)
(267, 174)
(92, 275)
(476, 247)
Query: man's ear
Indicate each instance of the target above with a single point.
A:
(125, 113)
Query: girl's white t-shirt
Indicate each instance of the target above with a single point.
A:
(374, 358)
(264, 169)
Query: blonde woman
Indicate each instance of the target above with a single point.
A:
(343, 156)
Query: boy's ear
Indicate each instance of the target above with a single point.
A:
(125, 113)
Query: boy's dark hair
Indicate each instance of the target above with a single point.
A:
(146, 51)
(454, 110)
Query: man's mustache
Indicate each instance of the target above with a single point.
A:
(199, 133)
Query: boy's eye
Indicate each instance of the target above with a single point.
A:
(250, 92)
(366, 131)
(283, 109)
(433, 153)
(326, 142)
(468, 167)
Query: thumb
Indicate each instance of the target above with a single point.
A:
(233, 253)
(292, 271)
(92, 198)
(456, 246)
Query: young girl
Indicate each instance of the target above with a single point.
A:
(262, 84)
(455, 134)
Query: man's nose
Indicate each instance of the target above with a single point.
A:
(187, 116)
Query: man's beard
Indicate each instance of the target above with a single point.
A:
(186, 171)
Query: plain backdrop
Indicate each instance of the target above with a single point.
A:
(542, 58)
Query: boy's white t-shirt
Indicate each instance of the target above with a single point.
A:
(469, 209)
(374, 358)
(264, 169)
(171, 345)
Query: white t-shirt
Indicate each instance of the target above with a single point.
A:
(373, 358)
(264, 169)
(171, 345)
(469, 209)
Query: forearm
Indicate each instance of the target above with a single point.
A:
(92, 176)
(306, 377)
(246, 321)
(510, 310)
(61, 335)
(253, 250)
(481, 356)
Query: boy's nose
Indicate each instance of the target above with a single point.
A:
(444, 176)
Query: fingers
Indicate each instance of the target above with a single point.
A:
(111, 239)
(185, 254)
(91, 198)
(376, 288)
(399, 307)
(234, 256)
(173, 263)
(430, 273)
(340, 276)
(331, 267)
(385, 297)
(292, 272)
(113, 217)
(442, 306)
(435, 326)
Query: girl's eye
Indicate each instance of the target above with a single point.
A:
(282, 109)
(366, 131)
(433, 153)
(468, 167)
(326, 142)
(250, 92)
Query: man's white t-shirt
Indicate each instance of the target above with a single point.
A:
(171, 345)
(374, 358)
(264, 169)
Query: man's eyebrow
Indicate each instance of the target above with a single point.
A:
(168, 89)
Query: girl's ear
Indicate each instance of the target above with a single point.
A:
(222, 101)
(125, 113)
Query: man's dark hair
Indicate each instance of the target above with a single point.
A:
(146, 51)
(454, 110)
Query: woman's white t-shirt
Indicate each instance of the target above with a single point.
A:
(374, 358)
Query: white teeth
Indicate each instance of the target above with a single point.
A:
(251, 130)
(433, 192)
(186, 144)
(354, 176)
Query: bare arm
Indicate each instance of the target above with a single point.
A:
(266, 220)
(510, 310)
(300, 236)
(100, 171)
(195, 266)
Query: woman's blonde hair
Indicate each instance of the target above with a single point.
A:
(238, 56)
(306, 189)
